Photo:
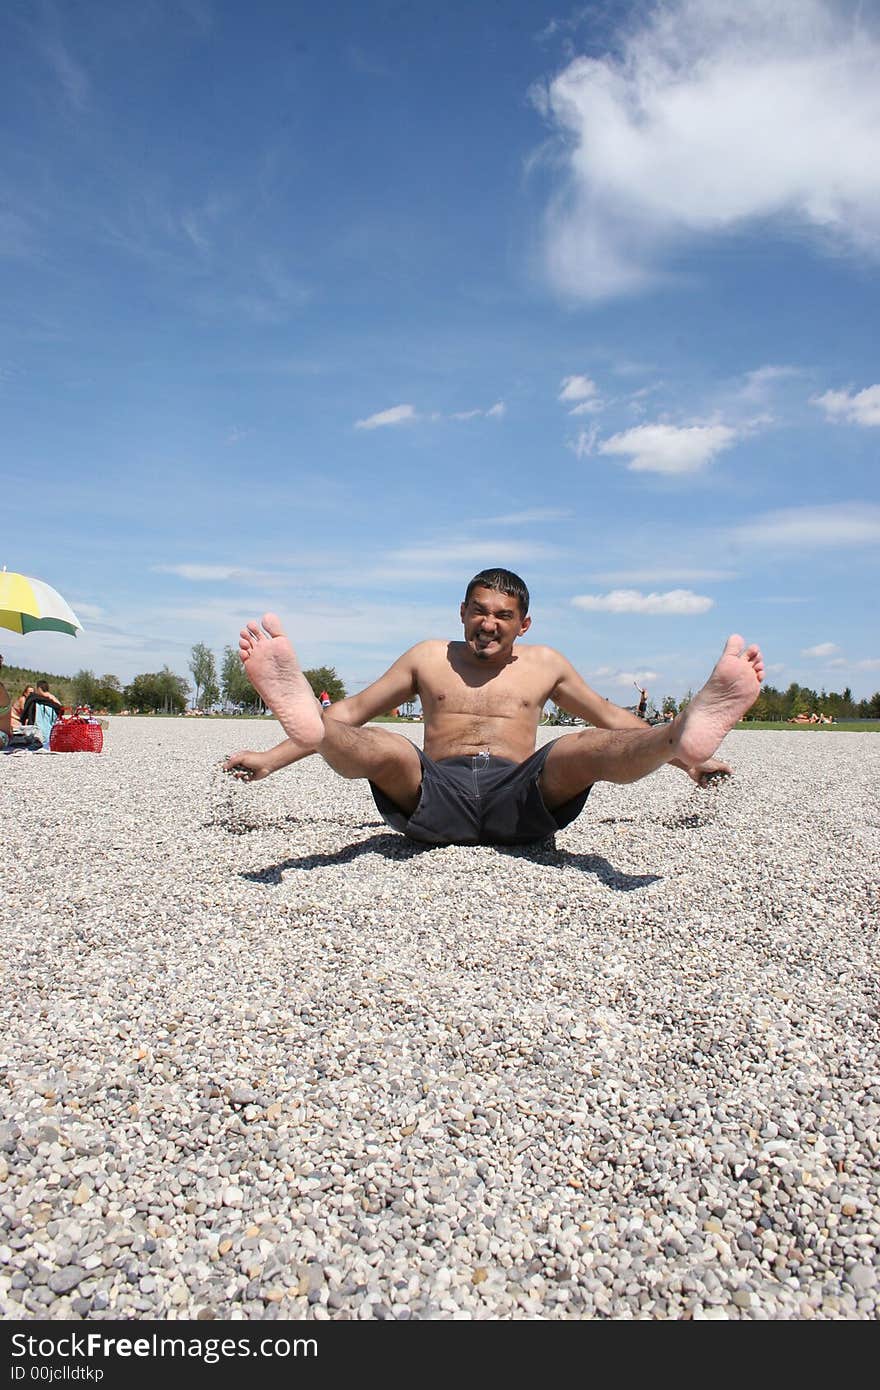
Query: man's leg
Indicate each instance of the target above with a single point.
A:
(386, 759)
(273, 669)
(626, 755)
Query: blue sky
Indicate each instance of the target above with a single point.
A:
(324, 312)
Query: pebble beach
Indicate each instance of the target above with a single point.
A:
(264, 1058)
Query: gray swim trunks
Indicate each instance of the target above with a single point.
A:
(480, 800)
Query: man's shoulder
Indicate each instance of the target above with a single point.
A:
(539, 654)
(431, 647)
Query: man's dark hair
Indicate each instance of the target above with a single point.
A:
(42, 685)
(503, 582)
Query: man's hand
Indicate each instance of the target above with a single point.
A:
(704, 774)
(247, 766)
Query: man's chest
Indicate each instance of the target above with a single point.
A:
(507, 694)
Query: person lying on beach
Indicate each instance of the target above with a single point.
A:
(479, 779)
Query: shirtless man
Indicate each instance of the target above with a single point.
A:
(479, 780)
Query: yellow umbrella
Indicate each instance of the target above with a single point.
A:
(29, 605)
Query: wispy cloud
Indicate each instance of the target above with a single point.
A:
(408, 415)
(225, 574)
(842, 663)
(584, 442)
(395, 415)
(710, 115)
(821, 649)
(71, 75)
(442, 558)
(669, 448)
(628, 678)
(835, 525)
(665, 575)
(676, 601)
(759, 383)
(862, 408)
(581, 394)
(532, 514)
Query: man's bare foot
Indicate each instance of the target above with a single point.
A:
(731, 689)
(274, 672)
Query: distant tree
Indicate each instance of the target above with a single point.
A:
(326, 678)
(174, 691)
(154, 692)
(85, 688)
(669, 706)
(109, 694)
(203, 671)
(797, 701)
(234, 684)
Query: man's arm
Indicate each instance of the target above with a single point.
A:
(572, 694)
(396, 686)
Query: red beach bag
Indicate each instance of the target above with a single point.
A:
(76, 736)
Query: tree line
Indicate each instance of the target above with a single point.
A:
(773, 705)
(164, 692)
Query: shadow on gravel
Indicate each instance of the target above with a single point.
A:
(397, 847)
(240, 825)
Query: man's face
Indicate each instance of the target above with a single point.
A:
(492, 623)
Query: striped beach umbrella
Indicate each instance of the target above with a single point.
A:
(29, 605)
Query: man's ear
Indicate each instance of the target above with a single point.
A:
(526, 624)
(461, 611)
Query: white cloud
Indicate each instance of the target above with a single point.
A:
(408, 415)
(676, 601)
(583, 391)
(576, 388)
(821, 649)
(495, 412)
(861, 409)
(669, 448)
(761, 381)
(630, 678)
(710, 115)
(396, 415)
(838, 524)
